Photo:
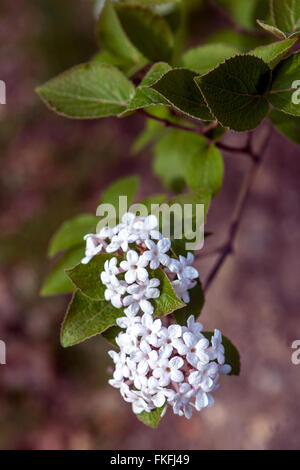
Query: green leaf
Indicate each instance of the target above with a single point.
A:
(111, 333)
(86, 277)
(172, 153)
(127, 186)
(86, 318)
(273, 53)
(57, 281)
(168, 301)
(194, 307)
(71, 233)
(149, 32)
(205, 169)
(179, 89)
(241, 41)
(145, 96)
(113, 38)
(271, 29)
(285, 93)
(155, 199)
(232, 356)
(286, 124)
(151, 419)
(201, 59)
(235, 92)
(286, 15)
(128, 67)
(88, 91)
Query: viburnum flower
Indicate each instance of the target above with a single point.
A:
(134, 267)
(153, 375)
(156, 253)
(130, 281)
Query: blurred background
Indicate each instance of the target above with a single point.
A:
(51, 169)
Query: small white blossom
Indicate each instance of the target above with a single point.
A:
(156, 253)
(140, 294)
(134, 268)
(94, 245)
(183, 268)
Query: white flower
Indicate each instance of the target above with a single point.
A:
(140, 294)
(181, 288)
(152, 329)
(183, 267)
(156, 253)
(168, 370)
(114, 292)
(94, 245)
(134, 268)
(217, 350)
(150, 372)
(145, 227)
(111, 270)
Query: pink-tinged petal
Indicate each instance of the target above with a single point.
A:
(156, 326)
(188, 411)
(164, 259)
(177, 376)
(124, 265)
(176, 362)
(142, 274)
(127, 300)
(190, 272)
(154, 282)
(150, 244)
(190, 339)
(130, 276)
(151, 222)
(166, 351)
(174, 331)
(164, 245)
(152, 293)
(143, 367)
(192, 359)
(116, 301)
(132, 257)
(144, 259)
(180, 346)
(159, 399)
(146, 306)
(154, 264)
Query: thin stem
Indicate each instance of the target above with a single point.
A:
(200, 131)
(228, 248)
(167, 123)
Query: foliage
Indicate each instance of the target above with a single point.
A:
(190, 98)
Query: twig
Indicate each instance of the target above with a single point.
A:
(239, 209)
(200, 131)
(167, 123)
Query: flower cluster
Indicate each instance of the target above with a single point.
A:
(176, 365)
(157, 365)
(129, 284)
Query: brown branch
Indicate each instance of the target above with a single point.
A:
(199, 131)
(228, 248)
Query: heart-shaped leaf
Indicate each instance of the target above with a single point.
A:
(86, 318)
(235, 92)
